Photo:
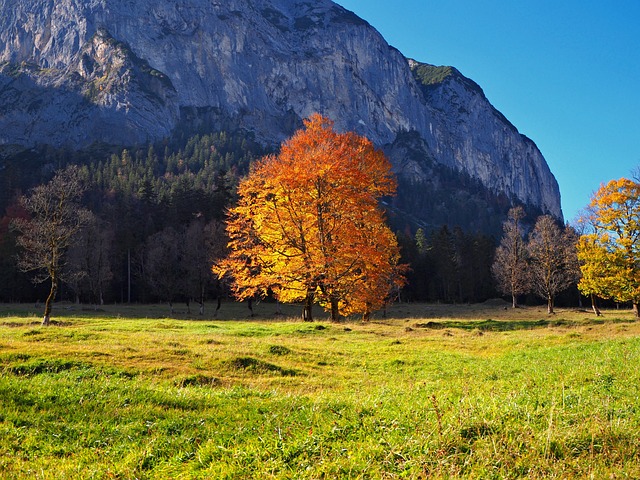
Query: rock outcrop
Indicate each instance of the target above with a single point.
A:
(76, 72)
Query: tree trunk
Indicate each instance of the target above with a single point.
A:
(250, 305)
(514, 302)
(594, 305)
(550, 305)
(218, 306)
(636, 313)
(46, 319)
(201, 312)
(129, 277)
(335, 312)
(307, 309)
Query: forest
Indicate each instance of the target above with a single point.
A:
(158, 225)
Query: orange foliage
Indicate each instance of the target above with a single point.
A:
(308, 227)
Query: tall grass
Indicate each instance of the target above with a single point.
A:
(517, 396)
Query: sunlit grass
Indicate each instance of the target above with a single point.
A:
(427, 392)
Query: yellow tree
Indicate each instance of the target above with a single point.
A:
(377, 279)
(307, 226)
(610, 254)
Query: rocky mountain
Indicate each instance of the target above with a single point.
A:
(77, 72)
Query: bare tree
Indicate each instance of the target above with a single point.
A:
(91, 255)
(204, 244)
(163, 265)
(199, 275)
(217, 240)
(56, 217)
(553, 259)
(510, 268)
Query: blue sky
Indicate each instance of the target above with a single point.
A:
(565, 73)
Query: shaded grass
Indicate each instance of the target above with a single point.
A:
(167, 398)
(491, 325)
(258, 366)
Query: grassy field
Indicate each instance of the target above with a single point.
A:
(427, 392)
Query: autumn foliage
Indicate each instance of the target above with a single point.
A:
(308, 227)
(610, 254)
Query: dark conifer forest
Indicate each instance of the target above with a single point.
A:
(159, 225)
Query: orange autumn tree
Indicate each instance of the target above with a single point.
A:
(610, 255)
(308, 228)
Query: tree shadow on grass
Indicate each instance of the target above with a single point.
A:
(491, 325)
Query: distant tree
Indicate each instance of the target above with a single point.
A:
(444, 260)
(14, 284)
(510, 268)
(448, 266)
(482, 258)
(553, 262)
(308, 227)
(421, 241)
(56, 217)
(91, 255)
(196, 262)
(415, 287)
(203, 245)
(610, 255)
(163, 265)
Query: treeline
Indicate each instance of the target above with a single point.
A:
(158, 224)
(137, 197)
(449, 266)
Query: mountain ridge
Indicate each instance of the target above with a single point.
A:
(75, 73)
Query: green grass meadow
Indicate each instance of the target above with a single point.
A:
(426, 392)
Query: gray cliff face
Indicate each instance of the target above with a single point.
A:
(123, 72)
(468, 134)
